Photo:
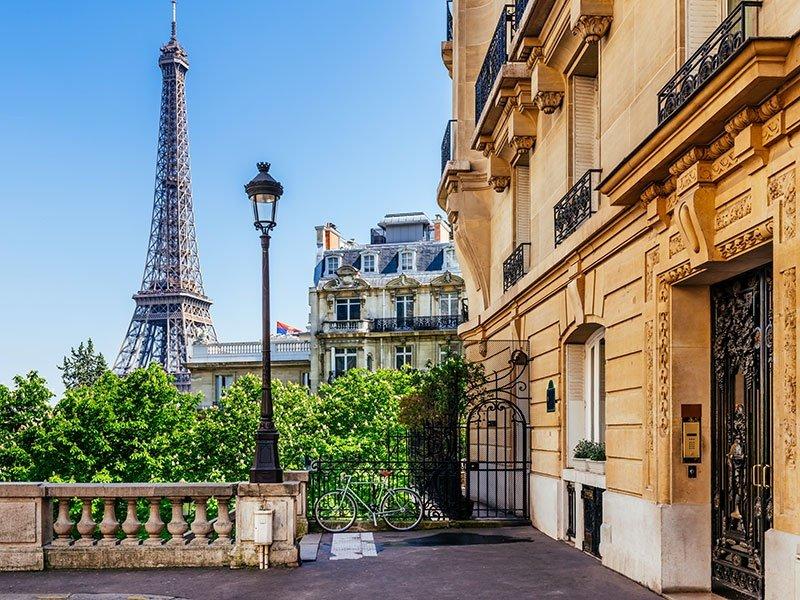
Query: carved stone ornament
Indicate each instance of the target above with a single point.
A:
(448, 279)
(592, 27)
(499, 183)
(522, 144)
(402, 282)
(346, 279)
(548, 102)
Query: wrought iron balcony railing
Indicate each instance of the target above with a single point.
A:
(715, 52)
(519, 10)
(449, 9)
(417, 323)
(576, 206)
(448, 143)
(516, 265)
(496, 57)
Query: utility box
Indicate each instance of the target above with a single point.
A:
(262, 527)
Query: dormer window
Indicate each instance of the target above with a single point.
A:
(369, 263)
(406, 260)
(331, 264)
(449, 258)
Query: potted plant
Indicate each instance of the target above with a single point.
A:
(597, 458)
(581, 454)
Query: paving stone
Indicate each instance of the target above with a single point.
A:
(309, 546)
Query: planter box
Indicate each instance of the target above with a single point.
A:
(580, 464)
(596, 466)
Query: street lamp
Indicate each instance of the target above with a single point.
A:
(264, 192)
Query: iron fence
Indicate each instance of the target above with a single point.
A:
(448, 143)
(715, 52)
(449, 20)
(576, 206)
(416, 323)
(519, 10)
(496, 57)
(515, 266)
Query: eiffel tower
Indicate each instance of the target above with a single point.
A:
(172, 310)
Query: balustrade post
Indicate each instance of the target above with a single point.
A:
(177, 525)
(223, 525)
(63, 524)
(86, 525)
(109, 525)
(201, 526)
(131, 525)
(154, 525)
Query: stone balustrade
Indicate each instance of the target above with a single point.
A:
(145, 525)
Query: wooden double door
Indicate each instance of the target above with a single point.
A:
(741, 494)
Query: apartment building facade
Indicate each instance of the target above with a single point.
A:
(394, 302)
(620, 176)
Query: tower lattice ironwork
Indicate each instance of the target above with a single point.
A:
(172, 310)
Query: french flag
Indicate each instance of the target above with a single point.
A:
(285, 329)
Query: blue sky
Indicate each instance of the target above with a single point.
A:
(348, 101)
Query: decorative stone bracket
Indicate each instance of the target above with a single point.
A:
(547, 88)
(498, 174)
(591, 19)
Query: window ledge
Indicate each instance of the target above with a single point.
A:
(584, 478)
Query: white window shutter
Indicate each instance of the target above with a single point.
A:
(702, 18)
(522, 205)
(584, 121)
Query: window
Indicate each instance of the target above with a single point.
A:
(585, 390)
(406, 260)
(348, 309)
(447, 350)
(404, 307)
(585, 146)
(331, 264)
(221, 383)
(449, 258)
(368, 263)
(448, 304)
(402, 356)
(305, 379)
(344, 359)
(595, 394)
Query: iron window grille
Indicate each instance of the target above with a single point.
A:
(496, 57)
(709, 59)
(516, 265)
(571, 510)
(416, 323)
(519, 10)
(449, 20)
(448, 143)
(580, 203)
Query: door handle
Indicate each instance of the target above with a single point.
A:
(754, 471)
(764, 470)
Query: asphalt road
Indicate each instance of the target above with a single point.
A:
(509, 562)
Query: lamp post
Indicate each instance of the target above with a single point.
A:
(264, 192)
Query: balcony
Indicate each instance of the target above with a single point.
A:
(709, 59)
(580, 203)
(516, 265)
(519, 10)
(358, 326)
(449, 20)
(496, 57)
(416, 323)
(448, 144)
(447, 44)
(237, 352)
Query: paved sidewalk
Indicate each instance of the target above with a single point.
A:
(512, 562)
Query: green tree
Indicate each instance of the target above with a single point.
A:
(83, 366)
(136, 428)
(24, 413)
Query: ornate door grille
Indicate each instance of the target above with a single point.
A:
(741, 438)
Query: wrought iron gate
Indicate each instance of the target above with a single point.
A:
(741, 438)
(498, 451)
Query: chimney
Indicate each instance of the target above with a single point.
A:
(441, 229)
(328, 237)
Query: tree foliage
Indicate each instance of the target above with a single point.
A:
(83, 366)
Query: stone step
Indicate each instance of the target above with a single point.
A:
(309, 546)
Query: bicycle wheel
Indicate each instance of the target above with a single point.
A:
(401, 508)
(335, 511)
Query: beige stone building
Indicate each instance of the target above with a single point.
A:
(393, 302)
(621, 180)
(216, 366)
